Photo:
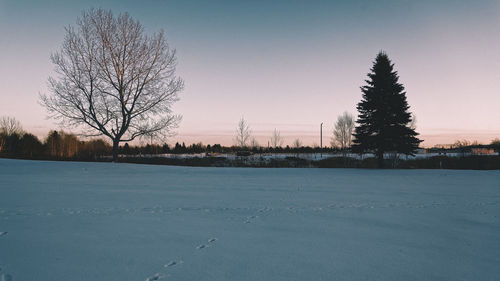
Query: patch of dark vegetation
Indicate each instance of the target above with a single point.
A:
(192, 162)
(348, 162)
(437, 162)
(61, 146)
(458, 163)
(288, 162)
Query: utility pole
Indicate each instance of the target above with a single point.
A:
(321, 139)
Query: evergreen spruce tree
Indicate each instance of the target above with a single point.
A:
(384, 117)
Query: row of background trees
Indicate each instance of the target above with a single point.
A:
(341, 136)
(114, 80)
(16, 143)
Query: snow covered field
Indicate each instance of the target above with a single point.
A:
(118, 222)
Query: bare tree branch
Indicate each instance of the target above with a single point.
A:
(297, 144)
(113, 79)
(243, 133)
(10, 125)
(342, 133)
(276, 140)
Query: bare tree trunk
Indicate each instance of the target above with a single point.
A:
(344, 155)
(115, 150)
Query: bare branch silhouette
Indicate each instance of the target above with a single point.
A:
(243, 133)
(113, 79)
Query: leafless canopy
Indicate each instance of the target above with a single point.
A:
(342, 132)
(114, 79)
(10, 125)
(276, 140)
(243, 133)
(297, 143)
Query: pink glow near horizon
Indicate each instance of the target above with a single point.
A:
(449, 65)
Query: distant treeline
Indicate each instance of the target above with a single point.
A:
(181, 148)
(62, 145)
(196, 148)
(57, 146)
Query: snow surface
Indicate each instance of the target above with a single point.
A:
(106, 221)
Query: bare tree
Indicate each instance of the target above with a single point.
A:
(276, 140)
(10, 125)
(243, 133)
(113, 79)
(297, 143)
(342, 133)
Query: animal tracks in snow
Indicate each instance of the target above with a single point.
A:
(155, 277)
(173, 263)
(203, 246)
(249, 219)
(260, 211)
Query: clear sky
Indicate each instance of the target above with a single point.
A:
(288, 65)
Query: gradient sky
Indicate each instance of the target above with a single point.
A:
(288, 65)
